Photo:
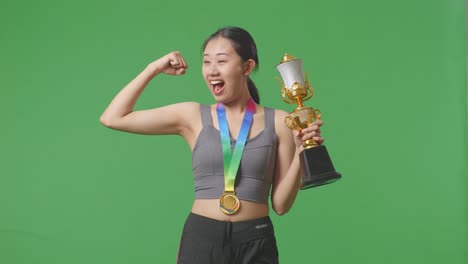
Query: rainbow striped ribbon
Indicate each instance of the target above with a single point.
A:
(232, 158)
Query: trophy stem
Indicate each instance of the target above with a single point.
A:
(299, 102)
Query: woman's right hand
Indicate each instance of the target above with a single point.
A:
(171, 64)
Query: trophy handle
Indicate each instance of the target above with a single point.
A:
(284, 92)
(291, 123)
(309, 87)
(317, 114)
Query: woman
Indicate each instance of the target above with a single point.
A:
(229, 221)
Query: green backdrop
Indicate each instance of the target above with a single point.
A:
(390, 79)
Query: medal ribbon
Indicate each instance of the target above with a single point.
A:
(232, 158)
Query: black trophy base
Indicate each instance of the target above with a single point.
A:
(317, 167)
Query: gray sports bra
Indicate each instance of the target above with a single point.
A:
(256, 169)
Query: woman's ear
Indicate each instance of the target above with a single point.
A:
(249, 66)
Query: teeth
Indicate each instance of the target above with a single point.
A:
(216, 82)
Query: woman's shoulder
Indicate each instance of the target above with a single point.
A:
(278, 113)
(280, 127)
(278, 116)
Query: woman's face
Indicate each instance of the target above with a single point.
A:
(223, 70)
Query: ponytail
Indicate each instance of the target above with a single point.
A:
(253, 90)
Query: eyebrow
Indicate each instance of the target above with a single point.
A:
(217, 54)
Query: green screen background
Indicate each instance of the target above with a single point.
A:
(389, 76)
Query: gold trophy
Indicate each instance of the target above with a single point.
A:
(316, 164)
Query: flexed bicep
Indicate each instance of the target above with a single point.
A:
(167, 120)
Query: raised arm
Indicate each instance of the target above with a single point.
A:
(287, 178)
(169, 119)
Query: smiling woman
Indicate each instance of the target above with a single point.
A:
(241, 150)
(226, 46)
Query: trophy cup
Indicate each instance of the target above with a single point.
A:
(317, 167)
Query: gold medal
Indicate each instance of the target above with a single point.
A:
(229, 203)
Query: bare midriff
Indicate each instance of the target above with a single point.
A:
(247, 211)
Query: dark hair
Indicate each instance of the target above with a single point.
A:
(245, 47)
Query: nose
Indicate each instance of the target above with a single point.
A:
(212, 70)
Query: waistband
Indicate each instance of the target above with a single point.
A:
(216, 230)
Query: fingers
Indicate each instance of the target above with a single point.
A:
(300, 137)
(315, 126)
(180, 71)
(177, 61)
(318, 122)
(311, 135)
(171, 64)
(311, 129)
(319, 140)
(311, 132)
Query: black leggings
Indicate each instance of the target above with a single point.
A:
(205, 240)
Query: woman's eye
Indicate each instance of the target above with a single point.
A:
(222, 61)
(206, 62)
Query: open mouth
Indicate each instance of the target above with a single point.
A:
(217, 86)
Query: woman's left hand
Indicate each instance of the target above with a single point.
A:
(311, 132)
